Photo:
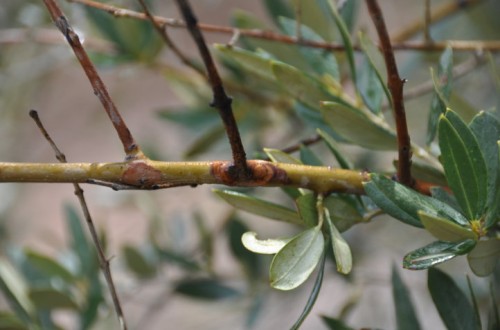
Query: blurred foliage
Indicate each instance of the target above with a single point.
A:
(294, 92)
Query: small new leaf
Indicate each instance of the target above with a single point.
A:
(444, 229)
(293, 264)
(341, 250)
(263, 246)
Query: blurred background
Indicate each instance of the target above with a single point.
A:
(151, 88)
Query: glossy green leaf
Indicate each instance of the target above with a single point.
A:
(235, 229)
(138, 263)
(320, 61)
(300, 86)
(341, 250)
(332, 145)
(306, 205)
(436, 253)
(444, 229)
(335, 324)
(267, 246)
(49, 298)
(259, 207)
(359, 127)
(293, 264)
(343, 212)
(464, 165)
(278, 156)
(403, 203)
(486, 129)
(406, 317)
(49, 266)
(442, 88)
(205, 288)
(484, 257)
(314, 293)
(452, 304)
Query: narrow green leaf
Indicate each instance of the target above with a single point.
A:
(343, 212)
(177, 258)
(79, 242)
(335, 324)
(436, 253)
(403, 203)
(138, 263)
(293, 264)
(314, 292)
(332, 145)
(254, 63)
(278, 156)
(301, 86)
(267, 246)
(406, 317)
(445, 197)
(195, 118)
(49, 266)
(444, 229)
(306, 205)
(9, 321)
(484, 257)
(308, 157)
(442, 90)
(359, 127)
(15, 291)
(205, 288)
(341, 250)
(464, 164)
(277, 9)
(259, 207)
(493, 215)
(49, 298)
(452, 304)
(320, 61)
(486, 129)
(477, 314)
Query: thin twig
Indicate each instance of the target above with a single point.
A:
(162, 31)
(457, 45)
(103, 261)
(131, 148)
(395, 85)
(305, 142)
(220, 100)
(427, 21)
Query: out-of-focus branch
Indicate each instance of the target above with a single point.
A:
(395, 85)
(457, 45)
(103, 261)
(131, 148)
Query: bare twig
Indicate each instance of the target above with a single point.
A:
(305, 142)
(457, 45)
(131, 148)
(395, 84)
(162, 31)
(103, 261)
(220, 100)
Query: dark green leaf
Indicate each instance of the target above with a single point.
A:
(335, 324)
(15, 291)
(235, 229)
(442, 87)
(406, 317)
(177, 258)
(486, 129)
(306, 205)
(277, 9)
(49, 266)
(10, 321)
(452, 304)
(477, 314)
(293, 264)
(464, 165)
(258, 206)
(138, 263)
(205, 288)
(403, 203)
(493, 313)
(308, 157)
(192, 118)
(320, 61)
(445, 197)
(314, 292)
(332, 145)
(49, 298)
(359, 127)
(79, 242)
(436, 253)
